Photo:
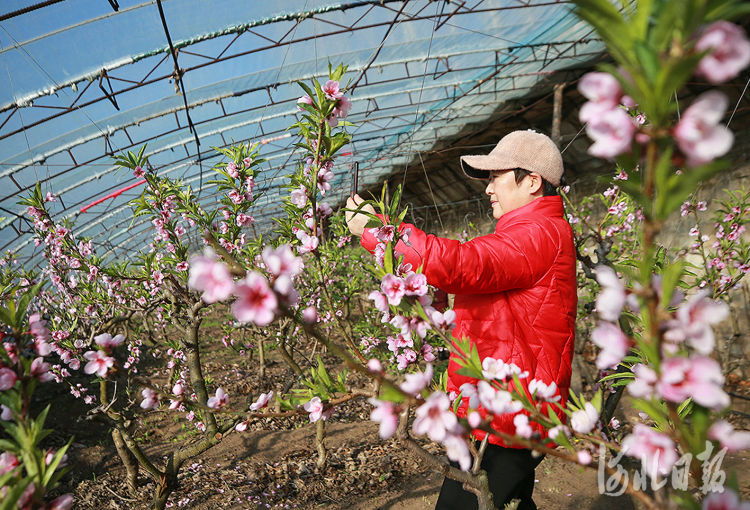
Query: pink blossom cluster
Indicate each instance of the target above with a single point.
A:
(333, 92)
(693, 321)
(434, 418)
(697, 377)
(608, 336)
(699, 135)
(728, 51)
(325, 176)
(656, 451)
(409, 344)
(256, 301)
(134, 355)
(609, 125)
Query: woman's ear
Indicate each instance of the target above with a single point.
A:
(534, 182)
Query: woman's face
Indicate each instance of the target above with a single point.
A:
(505, 195)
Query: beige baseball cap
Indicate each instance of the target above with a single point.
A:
(529, 150)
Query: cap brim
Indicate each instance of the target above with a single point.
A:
(479, 167)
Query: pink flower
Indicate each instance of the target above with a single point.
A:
(584, 420)
(542, 391)
(726, 500)
(178, 388)
(612, 132)
(404, 359)
(584, 457)
(415, 284)
(8, 462)
(613, 343)
(8, 378)
(299, 197)
(600, 88)
(497, 369)
(219, 400)
(5, 413)
(107, 341)
(474, 419)
(427, 353)
(282, 261)
(38, 327)
(309, 243)
(416, 382)
(262, 401)
(497, 401)
(385, 233)
(523, 429)
(656, 451)
(150, 399)
(374, 366)
(611, 297)
(394, 288)
(181, 266)
(645, 380)
(40, 370)
(445, 320)
(458, 451)
(310, 315)
(332, 121)
(469, 391)
(138, 172)
(699, 377)
(698, 133)
(729, 51)
(99, 363)
(558, 429)
(304, 100)
(343, 107)
(731, 439)
(232, 170)
(256, 302)
(381, 302)
(316, 409)
(325, 175)
(331, 90)
(210, 276)
(236, 197)
(64, 502)
(385, 413)
(693, 322)
(244, 220)
(435, 418)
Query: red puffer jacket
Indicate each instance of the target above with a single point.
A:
(516, 294)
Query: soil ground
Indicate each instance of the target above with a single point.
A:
(273, 463)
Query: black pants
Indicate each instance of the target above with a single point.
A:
(510, 473)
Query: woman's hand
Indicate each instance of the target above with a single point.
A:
(357, 222)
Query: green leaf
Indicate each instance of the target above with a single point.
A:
(23, 303)
(617, 376)
(648, 59)
(390, 394)
(670, 275)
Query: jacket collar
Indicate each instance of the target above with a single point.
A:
(551, 207)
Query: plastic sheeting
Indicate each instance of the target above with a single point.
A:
(425, 69)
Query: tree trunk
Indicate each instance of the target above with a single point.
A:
(128, 460)
(320, 436)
